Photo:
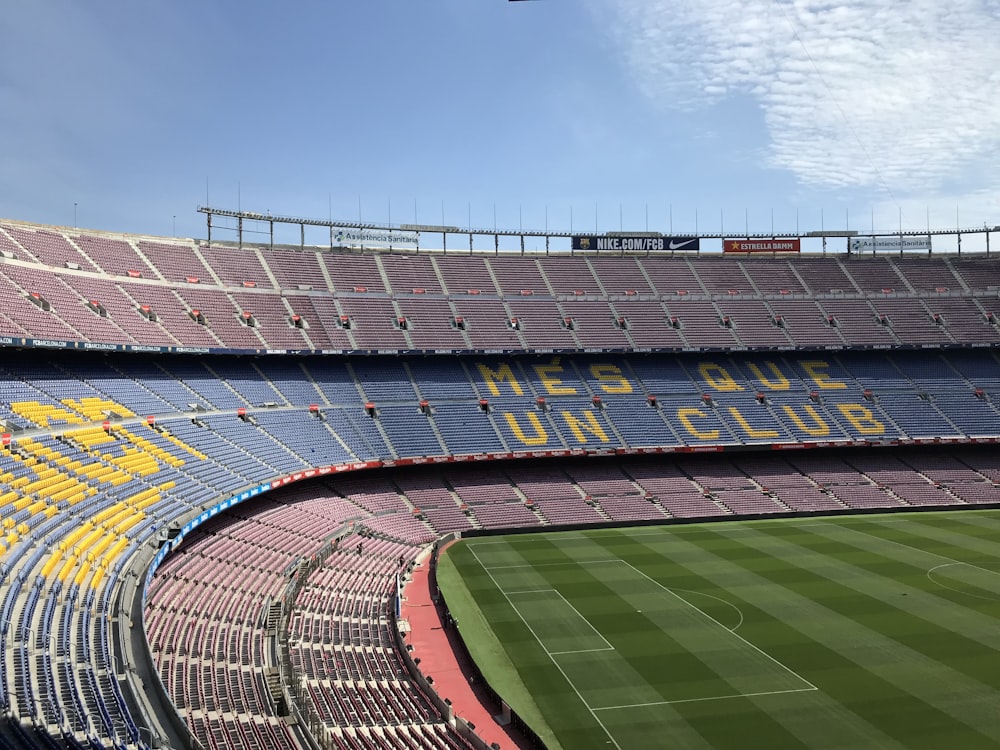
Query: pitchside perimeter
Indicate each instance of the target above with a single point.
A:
(698, 657)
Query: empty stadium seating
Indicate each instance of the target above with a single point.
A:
(107, 454)
(246, 299)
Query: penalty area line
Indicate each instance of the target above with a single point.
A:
(708, 698)
(552, 564)
(580, 651)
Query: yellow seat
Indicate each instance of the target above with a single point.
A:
(77, 534)
(23, 503)
(107, 513)
(81, 575)
(98, 550)
(67, 568)
(52, 562)
(95, 580)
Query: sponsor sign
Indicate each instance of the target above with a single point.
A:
(645, 243)
(888, 244)
(49, 344)
(762, 246)
(374, 237)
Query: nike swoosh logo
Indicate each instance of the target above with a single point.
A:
(675, 245)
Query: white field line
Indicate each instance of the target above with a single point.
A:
(599, 562)
(550, 564)
(709, 698)
(673, 528)
(779, 523)
(581, 651)
(952, 588)
(718, 599)
(607, 645)
(735, 634)
(551, 657)
(917, 549)
(596, 631)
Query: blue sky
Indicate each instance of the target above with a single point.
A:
(851, 114)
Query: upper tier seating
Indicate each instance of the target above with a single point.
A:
(247, 298)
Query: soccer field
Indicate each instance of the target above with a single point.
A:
(847, 632)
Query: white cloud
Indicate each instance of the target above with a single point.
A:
(860, 93)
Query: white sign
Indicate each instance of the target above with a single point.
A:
(374, 237)
(888, 244)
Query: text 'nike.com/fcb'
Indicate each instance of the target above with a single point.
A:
(642, 243)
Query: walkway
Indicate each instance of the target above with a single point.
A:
(432, 645)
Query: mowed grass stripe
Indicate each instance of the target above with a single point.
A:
(882, 693)
(811, 598)
(650, 666)
(565, 711)
(631, 614)
(880, 629)
(556, 623)
(846, 712)
(975, 548)
(914, 594)
(956, 544)
(728, 723)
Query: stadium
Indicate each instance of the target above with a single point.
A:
(229, 470)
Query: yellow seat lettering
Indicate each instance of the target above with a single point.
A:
(502, 374)
(814, 369)
(862, 419)
(611, 378)
(718, 377)
(748, 428)
(780, 383)
(589, 424)
(684, 415)
(547, 374)
(818, 428)
(541, 437)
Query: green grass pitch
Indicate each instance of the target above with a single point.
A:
(847, 632)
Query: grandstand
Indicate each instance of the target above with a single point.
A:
(217, 459)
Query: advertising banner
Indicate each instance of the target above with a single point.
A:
(895, 244)
(762, 246)
(643, 243)
(375, 237)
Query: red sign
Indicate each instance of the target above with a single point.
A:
(5, 438)
(762, 246)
